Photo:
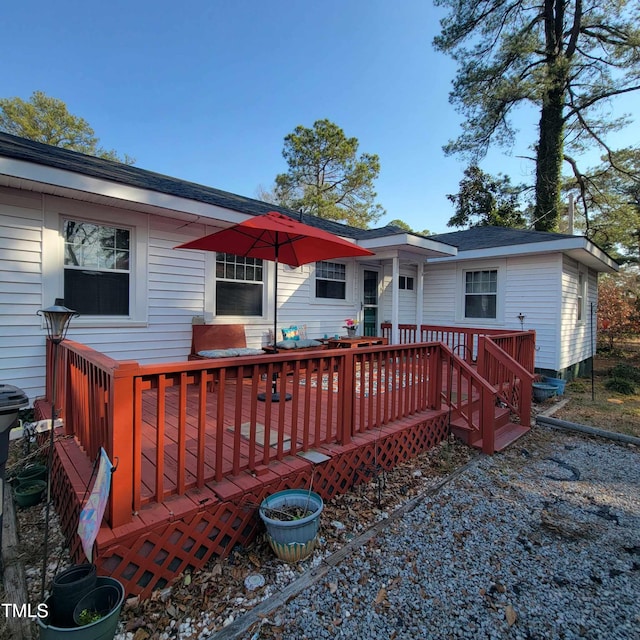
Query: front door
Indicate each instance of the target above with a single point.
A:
(370, 315)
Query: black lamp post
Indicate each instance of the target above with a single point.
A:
(57, 318)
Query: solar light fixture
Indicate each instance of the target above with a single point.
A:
(57, 318)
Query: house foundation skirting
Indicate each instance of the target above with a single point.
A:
(185, 532)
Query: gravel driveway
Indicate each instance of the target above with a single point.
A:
(541, 541)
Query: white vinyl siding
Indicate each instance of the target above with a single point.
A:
(532, 288)
(575, 333)
(21, 338)
(440, 294)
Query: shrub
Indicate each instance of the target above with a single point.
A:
(625, 372)
(620, 385)
(577, 386)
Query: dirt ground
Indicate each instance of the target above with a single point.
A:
(595, 405)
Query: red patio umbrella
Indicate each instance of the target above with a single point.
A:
(278, 238)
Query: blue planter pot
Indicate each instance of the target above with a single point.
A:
(557, 383)
(292, 540)
(542, 391)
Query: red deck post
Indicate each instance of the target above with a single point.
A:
(346, 386)
(120, 441)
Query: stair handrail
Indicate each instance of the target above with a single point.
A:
(486, 348)
(488, 397)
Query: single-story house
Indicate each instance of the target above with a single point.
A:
(200, 442)
(102, 236)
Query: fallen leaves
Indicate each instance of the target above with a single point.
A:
(381, 596)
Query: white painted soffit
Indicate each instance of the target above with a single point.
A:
(409, 243)
(578, 247)
(28, 176)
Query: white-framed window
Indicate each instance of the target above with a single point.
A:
(481, 294)
(582, 295)
(405, 283)
(331, 280)
(239, 285)
(97, 268)
(95, 259)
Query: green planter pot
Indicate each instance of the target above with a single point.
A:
(32, 472)
(292, 540)
(107, 597)
(29, 492)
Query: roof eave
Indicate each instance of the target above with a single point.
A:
(579, 247)
(41, 178)
(409, 242)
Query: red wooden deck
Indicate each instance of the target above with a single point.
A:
(196, 452)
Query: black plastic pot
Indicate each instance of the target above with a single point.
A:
(68, 588)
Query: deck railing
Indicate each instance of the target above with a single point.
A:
(172, 427)
(512, 381)
(470, 397)
(504, 359)
(465, 341)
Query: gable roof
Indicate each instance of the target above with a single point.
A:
(174, 194)
(486, 242)
(485, 237)
(129, 175)
(141, 187)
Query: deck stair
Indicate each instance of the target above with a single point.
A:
(506, 432)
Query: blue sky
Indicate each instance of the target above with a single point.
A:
(206, 90)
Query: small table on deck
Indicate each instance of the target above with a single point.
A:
(353, 343)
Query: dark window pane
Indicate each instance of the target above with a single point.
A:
(96, 293)
(331, 289)
(480, 306)
(238, 299)
(122, 239)
(122, 260)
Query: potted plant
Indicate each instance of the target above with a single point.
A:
(292, 518)
(351, 325)
(95, 616)
(29, 492)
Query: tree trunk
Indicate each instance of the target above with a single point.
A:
(549, 162)
(550, 147)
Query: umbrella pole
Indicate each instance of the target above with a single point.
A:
(275, 396)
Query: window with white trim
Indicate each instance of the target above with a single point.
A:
(405, 283)
(97, 268)
(481, 294)
(239, 285)
(582, 295)
(331, 280)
